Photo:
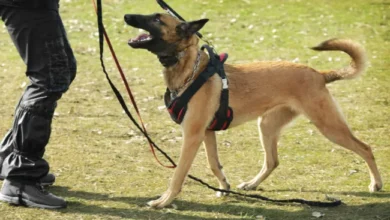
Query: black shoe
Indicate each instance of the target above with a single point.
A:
(30, 195)
(47, 180)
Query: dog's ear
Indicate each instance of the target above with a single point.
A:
(187, 29)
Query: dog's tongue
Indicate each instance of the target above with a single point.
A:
(140, 37)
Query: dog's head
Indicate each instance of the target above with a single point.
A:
(166, 34)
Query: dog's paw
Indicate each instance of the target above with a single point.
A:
(222, 194)
(163, 201)
(246, 186)
(375, 187)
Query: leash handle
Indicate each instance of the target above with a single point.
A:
(172, 12)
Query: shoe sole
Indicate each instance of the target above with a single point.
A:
(28, 203)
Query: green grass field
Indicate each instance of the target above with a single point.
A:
(104, 167)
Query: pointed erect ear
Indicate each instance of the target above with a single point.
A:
(187, 29)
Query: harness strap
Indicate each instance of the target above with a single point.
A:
(178, 106)
(224, 115)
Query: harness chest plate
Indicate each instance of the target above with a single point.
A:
(178, 106)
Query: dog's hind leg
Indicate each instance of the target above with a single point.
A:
(324, 113)
(210, 144)
(270, 126)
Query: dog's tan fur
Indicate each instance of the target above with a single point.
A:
(273, 92)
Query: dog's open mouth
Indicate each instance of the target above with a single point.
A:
(141, 39)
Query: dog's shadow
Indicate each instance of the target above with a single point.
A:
(231, 207)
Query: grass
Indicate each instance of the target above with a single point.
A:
(104, 167)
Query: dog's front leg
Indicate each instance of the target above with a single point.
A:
(191, 143)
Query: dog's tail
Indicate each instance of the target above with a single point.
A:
(353, 49)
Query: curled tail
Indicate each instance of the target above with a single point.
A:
(354, 50)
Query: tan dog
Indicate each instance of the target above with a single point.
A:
(273, 92)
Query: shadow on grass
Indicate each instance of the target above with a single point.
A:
(381, 194)
(194, 210)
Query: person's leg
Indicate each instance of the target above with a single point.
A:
(41, 40)
(6, 148)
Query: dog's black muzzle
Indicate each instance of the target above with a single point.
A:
(144, 22)
(133, 20)
(153, 25)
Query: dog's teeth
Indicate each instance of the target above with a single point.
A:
(146, 39)
(141, 38)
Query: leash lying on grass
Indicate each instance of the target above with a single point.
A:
(103, 34)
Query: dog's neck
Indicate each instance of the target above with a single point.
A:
(190, 62)
(170, 60)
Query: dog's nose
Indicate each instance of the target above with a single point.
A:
(127, 17)
(130, 18)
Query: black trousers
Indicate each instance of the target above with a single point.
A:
(40, 38)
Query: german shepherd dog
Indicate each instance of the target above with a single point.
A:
(273, 92)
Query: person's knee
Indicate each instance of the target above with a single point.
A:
(62, 66)
(72, 67)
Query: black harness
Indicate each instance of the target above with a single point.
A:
(178, 106)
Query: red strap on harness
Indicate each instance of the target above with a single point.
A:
(222, 57)
(128, 90)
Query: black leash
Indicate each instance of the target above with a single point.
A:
(124, 107)
(172, 12)
(102, 34)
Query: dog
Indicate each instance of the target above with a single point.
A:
(273, 92)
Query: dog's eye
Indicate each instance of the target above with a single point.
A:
(157, 19)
